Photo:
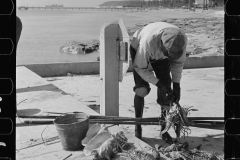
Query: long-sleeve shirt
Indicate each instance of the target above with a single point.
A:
(146, 43)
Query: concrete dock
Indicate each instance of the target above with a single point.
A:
(36, 96)
(201, 88)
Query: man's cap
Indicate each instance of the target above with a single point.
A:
(174, 41)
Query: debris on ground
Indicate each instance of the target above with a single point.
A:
(75, 47)
(117, 145)
(182, 152)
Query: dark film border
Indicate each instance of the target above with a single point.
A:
(232, 67)
(229, 126)
(6, 7)
(6, 86)
(232, 7)
(232, 63)
(230, 44)
(232, 25)
(232, 87)
(5, 158)
(8, 70)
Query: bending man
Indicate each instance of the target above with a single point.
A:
(157, 50)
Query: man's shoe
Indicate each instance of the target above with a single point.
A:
(167, 138)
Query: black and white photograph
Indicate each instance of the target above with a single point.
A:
(121, 80)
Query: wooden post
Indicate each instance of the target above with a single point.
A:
(109, 101)
(114, 63)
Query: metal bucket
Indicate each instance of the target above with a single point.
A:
(72, 129)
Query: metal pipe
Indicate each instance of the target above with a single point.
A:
(148, 119)
(196, 123)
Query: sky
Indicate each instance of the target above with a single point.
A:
(66, 3)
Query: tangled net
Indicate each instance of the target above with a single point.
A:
(184, 129)
(177, 117)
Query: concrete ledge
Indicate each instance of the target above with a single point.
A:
(89, 68)
(61, 69)
(204, 62)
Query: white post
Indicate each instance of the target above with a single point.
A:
(114, 63)
(109, 96)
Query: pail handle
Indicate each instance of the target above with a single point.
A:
(44, 142)
(71, 112)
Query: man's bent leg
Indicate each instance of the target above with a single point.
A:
(141, 90)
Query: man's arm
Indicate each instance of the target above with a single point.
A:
(176, 71)
(176, 67)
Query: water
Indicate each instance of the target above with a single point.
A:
(45, 31)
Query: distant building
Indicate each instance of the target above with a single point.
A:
(201, 2)
(122, 4)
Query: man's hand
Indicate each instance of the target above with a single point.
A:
(176, 92)
(166, 91)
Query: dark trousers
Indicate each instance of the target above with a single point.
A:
(161, 69)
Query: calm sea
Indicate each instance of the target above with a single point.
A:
(45, 31)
